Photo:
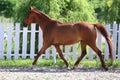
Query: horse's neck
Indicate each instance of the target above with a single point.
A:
(43, 20)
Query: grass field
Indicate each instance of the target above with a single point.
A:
(50, 63)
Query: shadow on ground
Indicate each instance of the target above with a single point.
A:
(56, 69)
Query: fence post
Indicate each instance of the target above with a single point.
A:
(47, 53)
(114, 39)
(74, 52)
(9, 42)
(40, 44)
(99, 42)
(1, 40)
(32, 43)
(106, 54)
(24, 43)
(66, 52)
(91, 54)
(54, 54)
(119, 43)
(17, 37)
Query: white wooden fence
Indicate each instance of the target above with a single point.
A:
(14, 43)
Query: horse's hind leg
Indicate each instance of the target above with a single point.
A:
(98, 52)
(61, 55)
(83, 48)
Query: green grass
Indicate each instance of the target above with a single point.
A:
(50, 63)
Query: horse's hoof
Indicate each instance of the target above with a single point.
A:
(106, 68)
(68, 67)
(33, 66)
(75, 67)
(34, 63)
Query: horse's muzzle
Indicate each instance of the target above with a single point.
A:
(24, 24)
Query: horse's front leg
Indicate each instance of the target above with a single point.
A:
(61, 55)
(44, 47)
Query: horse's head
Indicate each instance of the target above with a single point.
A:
(30, 18)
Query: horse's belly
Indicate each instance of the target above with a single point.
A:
(66, 36)
(66, 41)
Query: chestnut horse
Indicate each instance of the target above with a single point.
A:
(57, 33)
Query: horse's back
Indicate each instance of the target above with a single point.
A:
(71, 33)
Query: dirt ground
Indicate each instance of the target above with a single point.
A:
(58, 73)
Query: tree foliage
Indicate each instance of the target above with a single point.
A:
(112, 11)
(6, 8)
(63, 10)
(80, 10)
(105, 11)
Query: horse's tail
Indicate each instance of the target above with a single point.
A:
(103, 31)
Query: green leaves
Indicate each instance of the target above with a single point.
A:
(107, 11)
(6, 8)
(63, 10)
(91, 11)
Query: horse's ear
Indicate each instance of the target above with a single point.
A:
(31, 8)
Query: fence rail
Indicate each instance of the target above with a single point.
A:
(25, 43)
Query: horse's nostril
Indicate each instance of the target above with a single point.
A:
(24, 24)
